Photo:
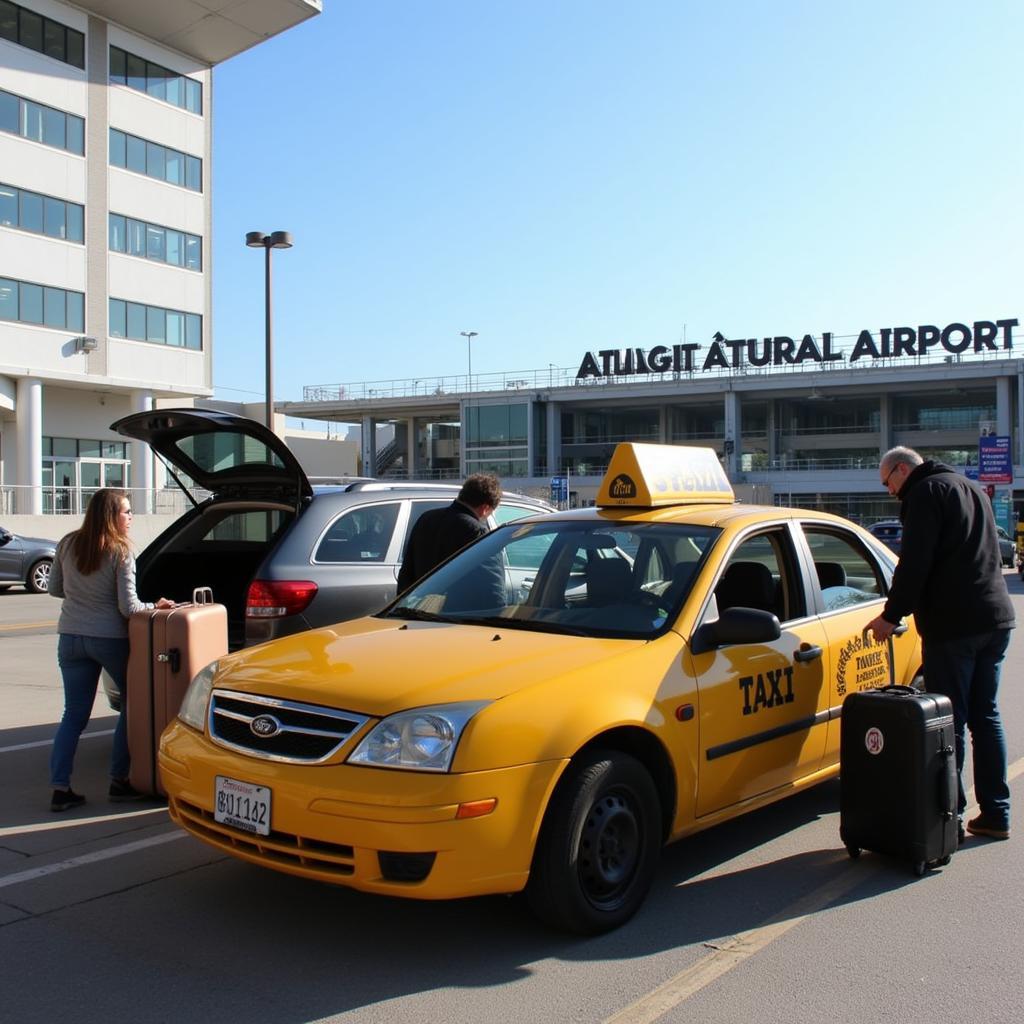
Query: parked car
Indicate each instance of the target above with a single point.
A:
(282, 555)
(889, 532)
(1007, 548)
(675, 661)
(25, 561)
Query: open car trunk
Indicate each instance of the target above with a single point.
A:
(218, 545)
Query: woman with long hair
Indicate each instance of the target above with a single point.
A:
(94, 572)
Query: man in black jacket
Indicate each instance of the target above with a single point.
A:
(441, 532)
(950, 577)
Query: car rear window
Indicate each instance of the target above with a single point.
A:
(360, 535)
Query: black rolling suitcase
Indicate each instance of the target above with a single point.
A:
(897, 775)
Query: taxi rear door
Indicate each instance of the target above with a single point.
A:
(764, 706)
(849, 585)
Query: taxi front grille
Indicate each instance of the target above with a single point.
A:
(279, 730)
(279, 849)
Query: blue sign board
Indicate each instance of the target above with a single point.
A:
(995, 464)
(559, 490)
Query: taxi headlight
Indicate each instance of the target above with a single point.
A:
(197, 696)
(423, 739)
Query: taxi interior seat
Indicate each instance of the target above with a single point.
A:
(747, 585)
(609, 581)
(682, 576)
(830, 574)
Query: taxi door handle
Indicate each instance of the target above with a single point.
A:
(807, 652)
(900, 629)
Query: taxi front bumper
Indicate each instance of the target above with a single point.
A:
(333, 822)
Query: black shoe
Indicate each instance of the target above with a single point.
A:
(982, 826)
(121, 790)
(65, 799)
(961, 835)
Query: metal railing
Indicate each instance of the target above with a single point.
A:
(18, 499)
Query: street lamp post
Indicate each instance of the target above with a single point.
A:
(277, 240)
(469, 336)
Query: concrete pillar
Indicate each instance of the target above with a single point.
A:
(368, 443)
(463, 435)
(663, 421)
(1004, 406)
(554, 424)
(141, 476)
(771, 426)
(733, 427)
(410, 448)
(884, 423)
(29, 426)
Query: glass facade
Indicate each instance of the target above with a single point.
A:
(29, 303)
(154, 242)
(44, 35)
(74, 469)
(496, 439)
(155, 80)
(42, 215)
(155, 161)
(138, 322)
(42, 124)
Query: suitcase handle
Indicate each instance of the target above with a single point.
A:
(202, 595)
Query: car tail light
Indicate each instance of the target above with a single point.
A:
(273, 599)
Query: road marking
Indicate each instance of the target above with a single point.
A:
(735, 949)
(88, 858)
(48, 743)
(49, 826)
(26, 625)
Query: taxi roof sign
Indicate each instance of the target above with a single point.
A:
(649, 475)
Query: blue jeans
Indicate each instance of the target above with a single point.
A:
(81, 658)
(966, 670)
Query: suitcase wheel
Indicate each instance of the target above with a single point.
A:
(943, 861)
(853, 851)
(920, 867)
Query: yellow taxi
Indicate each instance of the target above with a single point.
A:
(551, 705)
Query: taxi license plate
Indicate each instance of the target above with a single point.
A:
(242, 805)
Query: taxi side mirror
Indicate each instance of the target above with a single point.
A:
(736, 626)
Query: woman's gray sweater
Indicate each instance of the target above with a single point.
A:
(98, 604)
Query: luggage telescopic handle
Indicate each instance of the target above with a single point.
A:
(202, 595)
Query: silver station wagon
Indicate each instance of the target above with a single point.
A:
(282, 555)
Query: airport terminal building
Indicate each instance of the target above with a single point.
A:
(795, 420)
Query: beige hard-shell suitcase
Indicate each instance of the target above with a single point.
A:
(167, 647)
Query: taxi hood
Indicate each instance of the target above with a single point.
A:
(225, 454)
(379, 666)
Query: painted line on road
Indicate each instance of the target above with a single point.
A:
(52, 826)
(49, 743)
(89, 858)
(736, 949)
(26, 625)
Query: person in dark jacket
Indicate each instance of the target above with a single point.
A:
(950, 577)
(441, 532)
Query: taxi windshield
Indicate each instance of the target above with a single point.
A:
(600, 578)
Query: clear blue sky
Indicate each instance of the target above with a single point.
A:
(572, 175)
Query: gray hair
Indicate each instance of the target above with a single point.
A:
(900, 455)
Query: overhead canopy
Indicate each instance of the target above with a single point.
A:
(649, 475)
(209, 30)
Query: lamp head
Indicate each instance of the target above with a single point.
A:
(255, 239)
(281, 240)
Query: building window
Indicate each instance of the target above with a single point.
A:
(138, 322)
(74, 469)
(42, 215)
(155, 161)
(40, 123)
(155, 242)
(44, 35)
(28, 303)
(155, 80)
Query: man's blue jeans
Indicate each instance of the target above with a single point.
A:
(966, 669)
(81, 658)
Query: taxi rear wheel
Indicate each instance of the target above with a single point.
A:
(598, 848)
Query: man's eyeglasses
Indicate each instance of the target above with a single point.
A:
(888, 476)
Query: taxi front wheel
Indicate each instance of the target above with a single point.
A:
(598, 847)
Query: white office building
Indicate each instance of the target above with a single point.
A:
(106, 133)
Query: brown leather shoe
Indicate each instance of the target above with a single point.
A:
(982, 826)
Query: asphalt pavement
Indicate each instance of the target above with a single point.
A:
(109, 913)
